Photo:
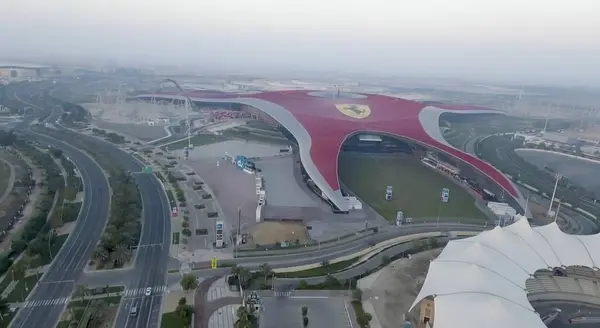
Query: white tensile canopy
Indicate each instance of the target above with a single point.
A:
(480, 281)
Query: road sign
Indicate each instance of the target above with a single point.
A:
(147, 169)
(213, 263)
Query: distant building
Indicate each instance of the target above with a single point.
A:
(20, 71)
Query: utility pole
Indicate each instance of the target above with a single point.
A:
(558, 177)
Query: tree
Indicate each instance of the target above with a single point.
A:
(304, 311)
(185, 312)
(100, 254)
(243, 318)
(122, 254)
(188, 282)
(242, 274)
(265, 270)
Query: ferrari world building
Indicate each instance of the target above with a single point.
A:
(321, 122)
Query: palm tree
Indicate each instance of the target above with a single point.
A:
(100, 254)
(243, 318)
(265, 270)
(242, 273)
(122, 254)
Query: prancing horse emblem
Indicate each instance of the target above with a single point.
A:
(354, 110)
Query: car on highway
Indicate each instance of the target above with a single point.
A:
(148, 291)
(133, 312)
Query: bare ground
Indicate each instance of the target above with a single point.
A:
(395, 287)
(266, 233)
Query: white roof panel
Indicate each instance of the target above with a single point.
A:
(480, 281)
(480, 310)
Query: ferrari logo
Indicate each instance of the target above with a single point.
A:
(354, 110)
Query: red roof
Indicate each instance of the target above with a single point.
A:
(329, 127)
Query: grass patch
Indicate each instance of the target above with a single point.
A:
(320, 271)
(8, 316)
(106, 290)
(417, 189)
(84, 303)
(176, 238)
(19, 294)
(172, 320)
(57, 243)
(197, 140)
(4, 177)
(247, 135)
(70, 193)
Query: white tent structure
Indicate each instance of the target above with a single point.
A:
(480, 281)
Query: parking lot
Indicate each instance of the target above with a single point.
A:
(323, 312)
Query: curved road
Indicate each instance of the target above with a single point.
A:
(47, 301)
(150, 267)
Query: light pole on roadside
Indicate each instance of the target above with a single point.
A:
(437, 224)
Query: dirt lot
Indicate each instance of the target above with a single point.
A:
(266, 233)
(395, 287)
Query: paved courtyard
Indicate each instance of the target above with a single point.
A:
(232, 188)
(224, 317)
(322, 312)
(280, 184)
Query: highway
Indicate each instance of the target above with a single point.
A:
(150, 267)
(151, 259)
(57, 284)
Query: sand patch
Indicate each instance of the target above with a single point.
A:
(266, 233)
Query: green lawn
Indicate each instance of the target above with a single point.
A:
(172, 320)
(19, 294)
(417, 189)
(57, 243)
(4, 176)
(319, 271)
(258, 137)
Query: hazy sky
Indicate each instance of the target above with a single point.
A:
(545, 40)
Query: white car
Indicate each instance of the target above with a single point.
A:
(148, 291)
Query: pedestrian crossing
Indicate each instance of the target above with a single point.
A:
(282, 294)
(142, 291)
(49, 302)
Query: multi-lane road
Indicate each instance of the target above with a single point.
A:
(47, 301)
(152, 255)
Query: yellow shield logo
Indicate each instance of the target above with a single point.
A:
(354, 110)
